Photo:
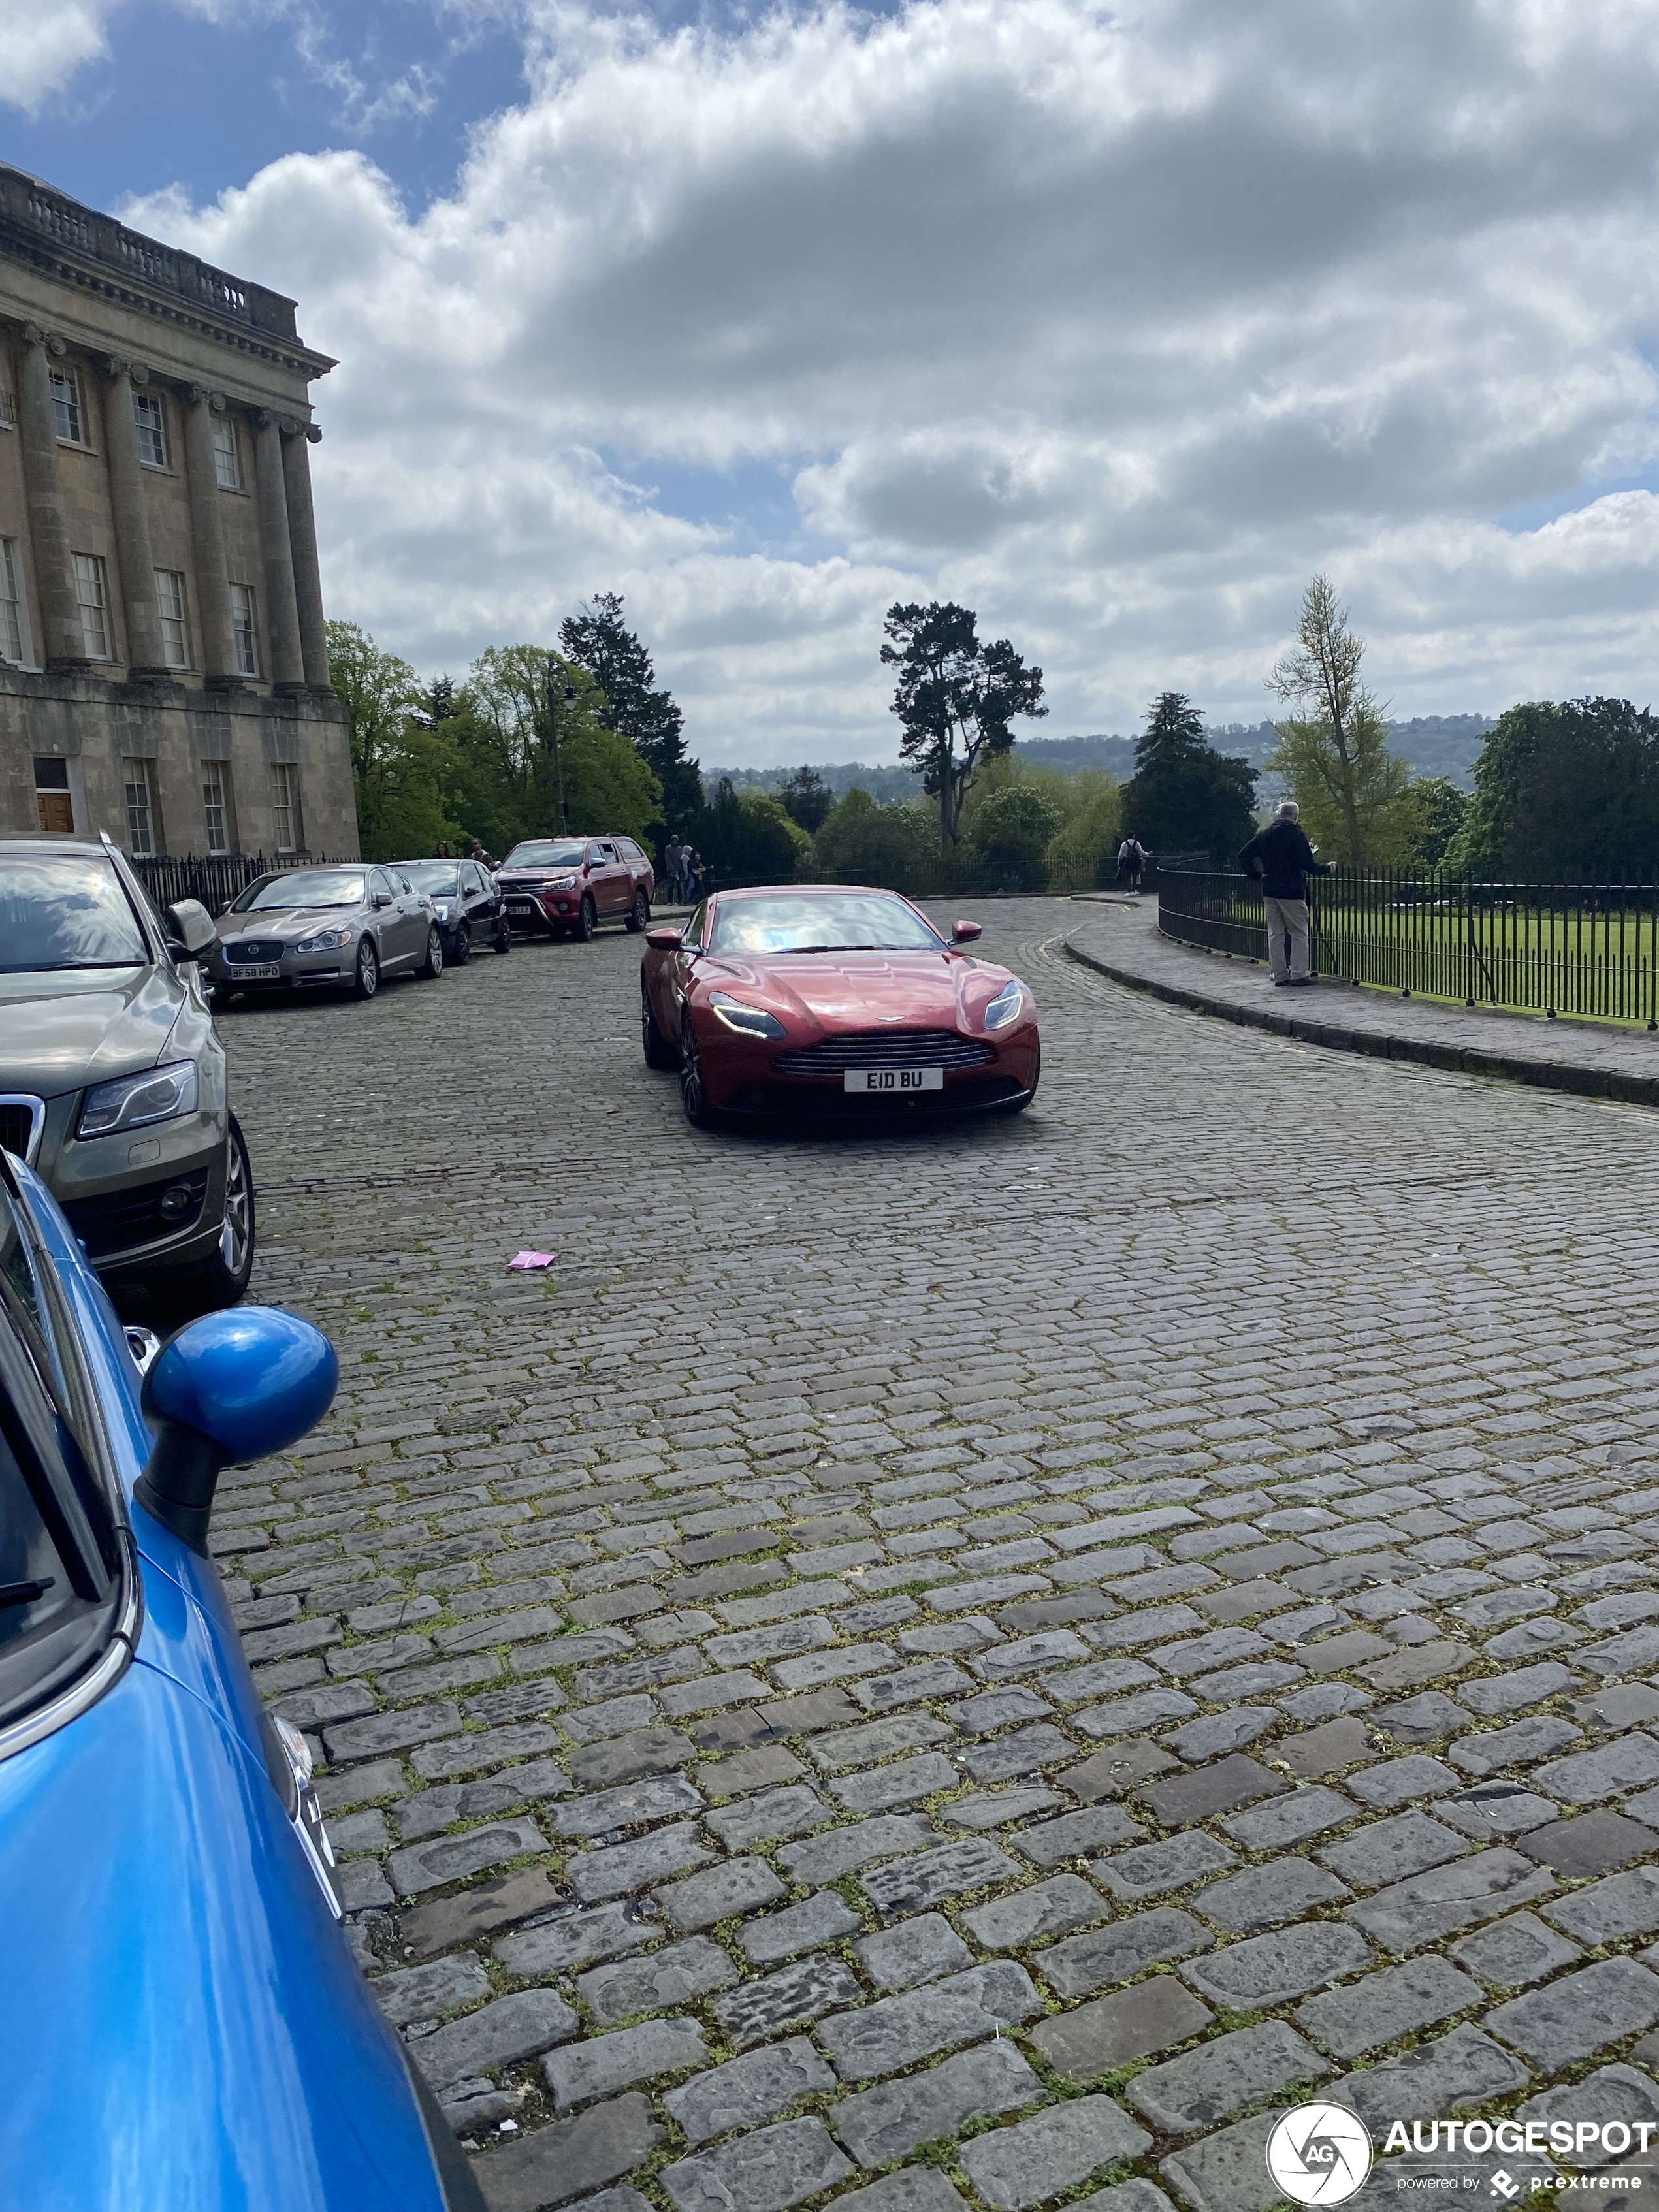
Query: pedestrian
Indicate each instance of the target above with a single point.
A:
(1131, 860)
(1281, 856)
(483, 858)
(442, 851)
(695, 873)
(671, 863)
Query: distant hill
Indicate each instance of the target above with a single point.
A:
(1435, 744)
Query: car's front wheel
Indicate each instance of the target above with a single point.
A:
(694, 1093)
(587, 922)
(503, 935)
(461, 950)
(639, 914)
(367, 981)
(434, 963)
(222, 1280)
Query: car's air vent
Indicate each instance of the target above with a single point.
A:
(886, 1049)
(122, 1220)
(20, 1118)
(245, 948)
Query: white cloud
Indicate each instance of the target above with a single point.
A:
(1116, 322)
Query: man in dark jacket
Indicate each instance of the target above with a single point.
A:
(1281, 856)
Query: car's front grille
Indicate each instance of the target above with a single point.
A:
(20, 1117)
(245, 948)
(886, 1049)
(122, 1220)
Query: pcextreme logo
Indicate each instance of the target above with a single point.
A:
(1321, 2153)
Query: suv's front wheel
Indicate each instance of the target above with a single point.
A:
(222, 1280)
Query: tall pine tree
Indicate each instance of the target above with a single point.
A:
(600, 641)
(1184, 795)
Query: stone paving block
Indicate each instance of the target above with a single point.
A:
(994, 1709)
(1023, 1751)
(476, 1912)
(1421, 1663)
(1031, 2160)
(1147, 1869)
(905, 1781)
(888, 2122)
(823, 1917)
(602, 2064)
(897, 2030)
(1047, 1908)
(1522, 1743)
(1617, 1707)
(1493, 1809)
(1135, 2195)
(1268, 1896)
(794, 1811)
(1390, 1850)
(675, 1976)
(1463, 2070)
(1263, 1971)
(1029, 1654)
(1513, 1953)
(1425, 1718)
(1382, 2007)
(423, 1992)
(634, 1804)
(1214, 1734)
(617, 1868)
(1612, 2093)
(1119, 1767)
(1608, 1911)
(378, 1733)
(762, 1767)
(1226, 2172)
(1398, 1781)
(1497, 1694)
(994, 1809)
(720, 1893)
(746, 2091)
(1630, 1762)
(453, 1858)
(576, 1939)
(1221, 1786)
(1430, 1906)
(766, 2172)
(1182, 2095)
(910, 1884)
(918, 1950)
(1097, 2038)
(1320, 1751)
(805, 1990)
(477, 1753)
(912, 1686)
(1580, 2014)
(1075, 1835)
(572, 2158)
(1592, 1844)
(916, 2189)
(1305, 1812)
(844, 1850)
(1078, 1966)
(497, 2034)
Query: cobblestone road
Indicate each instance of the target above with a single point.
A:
(973, 1665)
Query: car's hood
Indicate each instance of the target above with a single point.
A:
(60, 1032)
(286, 924)
(840, 991)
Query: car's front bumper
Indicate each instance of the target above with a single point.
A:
(112, 1188)
(742, 1075)
(296, 971)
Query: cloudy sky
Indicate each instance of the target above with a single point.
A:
(1114, 323)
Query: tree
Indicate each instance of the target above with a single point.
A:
(505, 732)
(894, 847)
(806, 799)
(1010, 834)
(1334, 754)
(1184, 794)
(1564, 792)
(1086, 846)
(599, 640)
(403, 772)
(748, 837)
(1435, 811)
(955, 697)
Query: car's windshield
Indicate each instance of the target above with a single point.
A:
(437, 878)
(546, 852)
(304, 887)
(65, 910)
(821, 921)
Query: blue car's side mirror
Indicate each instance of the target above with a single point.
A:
(232, 1386)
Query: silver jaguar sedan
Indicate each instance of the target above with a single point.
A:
(340, 929)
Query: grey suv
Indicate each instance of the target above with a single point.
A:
(112, 1079)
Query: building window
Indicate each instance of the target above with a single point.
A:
(227, 454)
(150, 424)
(170, 606)
(54, 808)
(215, 805)
(288, 830)
(144, 814)
(243, 630)
(8, 410)
(14, 615)
(92, 590)
(66, 407)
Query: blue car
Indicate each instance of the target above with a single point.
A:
(182, 2027)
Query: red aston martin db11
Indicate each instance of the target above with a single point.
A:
(828, 998)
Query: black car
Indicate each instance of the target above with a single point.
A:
(467, 903)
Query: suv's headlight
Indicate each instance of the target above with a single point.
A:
(748, 1021)
(1006, 1006)
(325, 940)
(133, 1102)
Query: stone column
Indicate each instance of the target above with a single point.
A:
(287, 668)
(302, 542)
(196, 405)
(144, 654)
(64, 646)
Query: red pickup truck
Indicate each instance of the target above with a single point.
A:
(566, 886)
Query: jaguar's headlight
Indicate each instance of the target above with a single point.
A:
(133, 1102)
(325, 940)
(748, 1021)
(1005, 1007)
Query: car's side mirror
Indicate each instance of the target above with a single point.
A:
(189, 929)
(382, 898)
(964, 932)
(664, 940)
(232, 1386)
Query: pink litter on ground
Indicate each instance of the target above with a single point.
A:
(527, 1263)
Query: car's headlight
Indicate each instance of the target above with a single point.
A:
(748, 1021)
(442, 909)
(1006, 1006)
(133, 1102)
(559, 883)
(325, 940)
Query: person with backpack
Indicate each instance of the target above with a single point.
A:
(1131, 861)
(1281, 856)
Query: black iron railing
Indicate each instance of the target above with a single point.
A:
(215, 879)
(1583, 949)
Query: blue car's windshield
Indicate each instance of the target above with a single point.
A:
(65, 910)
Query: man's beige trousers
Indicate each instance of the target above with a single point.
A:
(1287, 918)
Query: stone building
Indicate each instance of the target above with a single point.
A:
(163, 667)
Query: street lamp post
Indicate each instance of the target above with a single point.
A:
(553, 731)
